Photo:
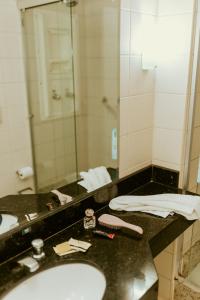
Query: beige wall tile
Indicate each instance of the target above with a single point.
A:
(135, 149)
(136, 113)
(125, 34)
(193, 173)
(144, 6)
(174, 35)
(169, 111)
(164, 288)
(164, 264)
(168, 70)
(197, 111)
(167, 145)
(124, 76)
(171, 7)
(195, 147)
(126, 4)
(14, 126)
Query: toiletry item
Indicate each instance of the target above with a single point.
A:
(25, 172)
(89, 220)
(71, 246)
(114, 144)
(63, 198)
(105, 234)
(116, 223)
(31, 217)
(64, 249)
(79, 245)
(50, 206)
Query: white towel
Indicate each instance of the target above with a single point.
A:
(95, 178)
(161, 205)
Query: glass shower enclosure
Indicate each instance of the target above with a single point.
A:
(72, 68)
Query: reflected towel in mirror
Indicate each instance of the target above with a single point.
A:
(94, 178)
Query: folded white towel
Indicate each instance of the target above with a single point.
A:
(162, 204)
(94, 178)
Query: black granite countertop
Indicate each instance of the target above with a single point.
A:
(126, 262)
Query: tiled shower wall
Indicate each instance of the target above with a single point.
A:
(154, 102)
(137, 88)
(15, 148)
(175, 19)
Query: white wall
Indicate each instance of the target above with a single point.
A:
(175, 19)
(15, 150)
(137, 88)
(153, 106)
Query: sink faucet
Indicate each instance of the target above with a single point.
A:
(30, 263)
(38, 252)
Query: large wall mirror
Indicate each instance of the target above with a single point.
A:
(72, 64)
(71, 55)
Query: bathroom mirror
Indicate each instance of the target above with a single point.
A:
(71, 58)
(72, 64)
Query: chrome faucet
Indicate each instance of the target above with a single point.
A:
(30, 263)
(38, 252)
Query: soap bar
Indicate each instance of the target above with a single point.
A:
(63, 249)
(79, 244)
(71, 246)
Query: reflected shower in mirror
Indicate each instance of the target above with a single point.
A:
(72, 67)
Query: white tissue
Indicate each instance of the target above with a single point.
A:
(25, 173)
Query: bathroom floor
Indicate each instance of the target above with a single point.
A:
(190, 288)
(183, 292)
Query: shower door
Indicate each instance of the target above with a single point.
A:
(49, 61)
(96, 40)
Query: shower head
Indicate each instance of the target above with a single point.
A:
(71, 3)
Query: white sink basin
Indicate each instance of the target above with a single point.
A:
(8, 222)
(74, 281)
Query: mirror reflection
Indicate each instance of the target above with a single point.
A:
(71, 59)
(72, 62)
